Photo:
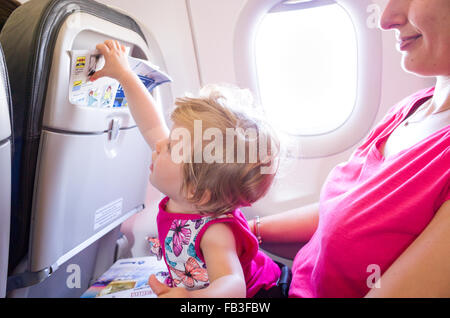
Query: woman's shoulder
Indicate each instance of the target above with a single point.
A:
(409, 102)
(395, 114)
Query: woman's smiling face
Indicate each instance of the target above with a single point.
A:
(423, 33)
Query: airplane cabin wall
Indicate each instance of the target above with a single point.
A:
(214, 23)
(206, 56)
(196, 42)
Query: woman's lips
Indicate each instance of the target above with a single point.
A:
(151, 167)
(405, 42)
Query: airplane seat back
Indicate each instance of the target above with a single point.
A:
(72, 181)
(5, 171)
(6, 8)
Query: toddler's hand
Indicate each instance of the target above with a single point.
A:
(164, 291)
(116, 61)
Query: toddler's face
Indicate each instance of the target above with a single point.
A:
(165, 174)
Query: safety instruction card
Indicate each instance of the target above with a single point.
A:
(127, 278)
(106, 92)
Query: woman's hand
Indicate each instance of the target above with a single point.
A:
(116, 61)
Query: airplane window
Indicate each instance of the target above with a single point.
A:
(306, 64)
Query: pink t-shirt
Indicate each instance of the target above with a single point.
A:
(180, 236)
(372, 208)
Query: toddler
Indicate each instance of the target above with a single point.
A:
(215, 160)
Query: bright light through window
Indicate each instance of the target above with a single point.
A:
(306, 64)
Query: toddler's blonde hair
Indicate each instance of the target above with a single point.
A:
(217, 188)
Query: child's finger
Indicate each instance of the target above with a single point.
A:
(102, 48)
(157, 287)
(96, 75)
(117, 45)
(110, 44)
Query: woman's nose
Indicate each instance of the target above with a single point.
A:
(394, 14)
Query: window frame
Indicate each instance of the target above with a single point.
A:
(369, 56)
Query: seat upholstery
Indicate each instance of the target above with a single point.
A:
(5, 171)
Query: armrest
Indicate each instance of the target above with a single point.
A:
(285, 250)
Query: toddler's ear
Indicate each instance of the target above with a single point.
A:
(206, 197)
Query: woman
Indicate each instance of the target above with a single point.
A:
(386, 211)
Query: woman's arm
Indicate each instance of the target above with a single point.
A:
(225, 273)
(140, 101)
(293, 226)
(423, 270)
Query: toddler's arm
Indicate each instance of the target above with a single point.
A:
(140, 101)
(225, 273)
